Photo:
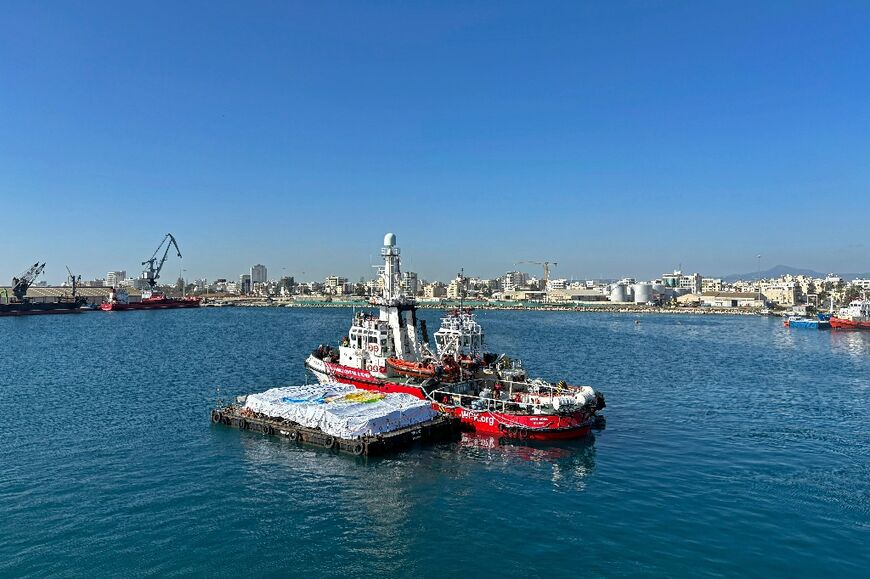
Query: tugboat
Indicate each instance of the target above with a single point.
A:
(489, 393)
(20, 305)
(119, 300)
(855, 316)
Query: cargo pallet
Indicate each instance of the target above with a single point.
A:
(442, 428)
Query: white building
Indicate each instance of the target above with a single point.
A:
(114, 278)
(678, 280)
(709, 284)
(863, 284)
(410, 283)
(729, 299)
(513, 280)
(258, 274)
(458, 288)
(336, 285)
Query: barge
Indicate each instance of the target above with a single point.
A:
(440, 429)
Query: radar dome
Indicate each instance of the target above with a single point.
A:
(389, 240)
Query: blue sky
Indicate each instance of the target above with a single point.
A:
(614, 138)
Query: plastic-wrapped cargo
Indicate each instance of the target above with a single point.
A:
(340, 410)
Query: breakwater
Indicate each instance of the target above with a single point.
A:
(621, 308)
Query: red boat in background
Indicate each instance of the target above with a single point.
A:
(489, 393)
(119, 300)
(855, 316)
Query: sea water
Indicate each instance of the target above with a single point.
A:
(733, 446)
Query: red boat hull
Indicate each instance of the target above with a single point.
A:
(152, 304)
(523, 426)
(848, 324)
(510, 425)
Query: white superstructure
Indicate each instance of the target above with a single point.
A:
(459, 335)
(856, 311)
(392, 333)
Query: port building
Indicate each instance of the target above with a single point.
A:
(53, 294)
(731, 300)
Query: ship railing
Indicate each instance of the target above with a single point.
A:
(492, 404)
(536, 386)
(510, 389)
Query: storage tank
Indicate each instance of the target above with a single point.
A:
(642, 293)
(617, 294)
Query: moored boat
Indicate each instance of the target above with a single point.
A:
(809, 323)
(119, 300)
(855, 316)
(19, 304)
(489, 393)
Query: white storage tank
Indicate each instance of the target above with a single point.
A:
(642, 293)
(617, 294)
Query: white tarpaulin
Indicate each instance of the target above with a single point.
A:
(340, 410)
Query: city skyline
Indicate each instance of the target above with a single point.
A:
(534, 271)
(615, 139)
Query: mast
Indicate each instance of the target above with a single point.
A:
(397, 309)
(73, 281)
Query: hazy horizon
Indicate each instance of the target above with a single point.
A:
(618, 139)
(173, 267)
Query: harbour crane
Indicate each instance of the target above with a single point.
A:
(546, 265)
(153, 273)
(21, 284)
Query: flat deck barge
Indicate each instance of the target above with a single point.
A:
(442, 428)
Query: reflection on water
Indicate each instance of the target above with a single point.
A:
(569, 462)
(852, 342)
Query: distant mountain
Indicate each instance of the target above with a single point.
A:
(781, 270)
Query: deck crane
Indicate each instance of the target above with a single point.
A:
(152, 273)
(74, 281)
(546, 265)
(21, 284)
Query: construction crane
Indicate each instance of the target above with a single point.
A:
(546, 265)
(21, 284)
(153, 273)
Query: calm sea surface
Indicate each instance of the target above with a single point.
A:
(733, 446)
